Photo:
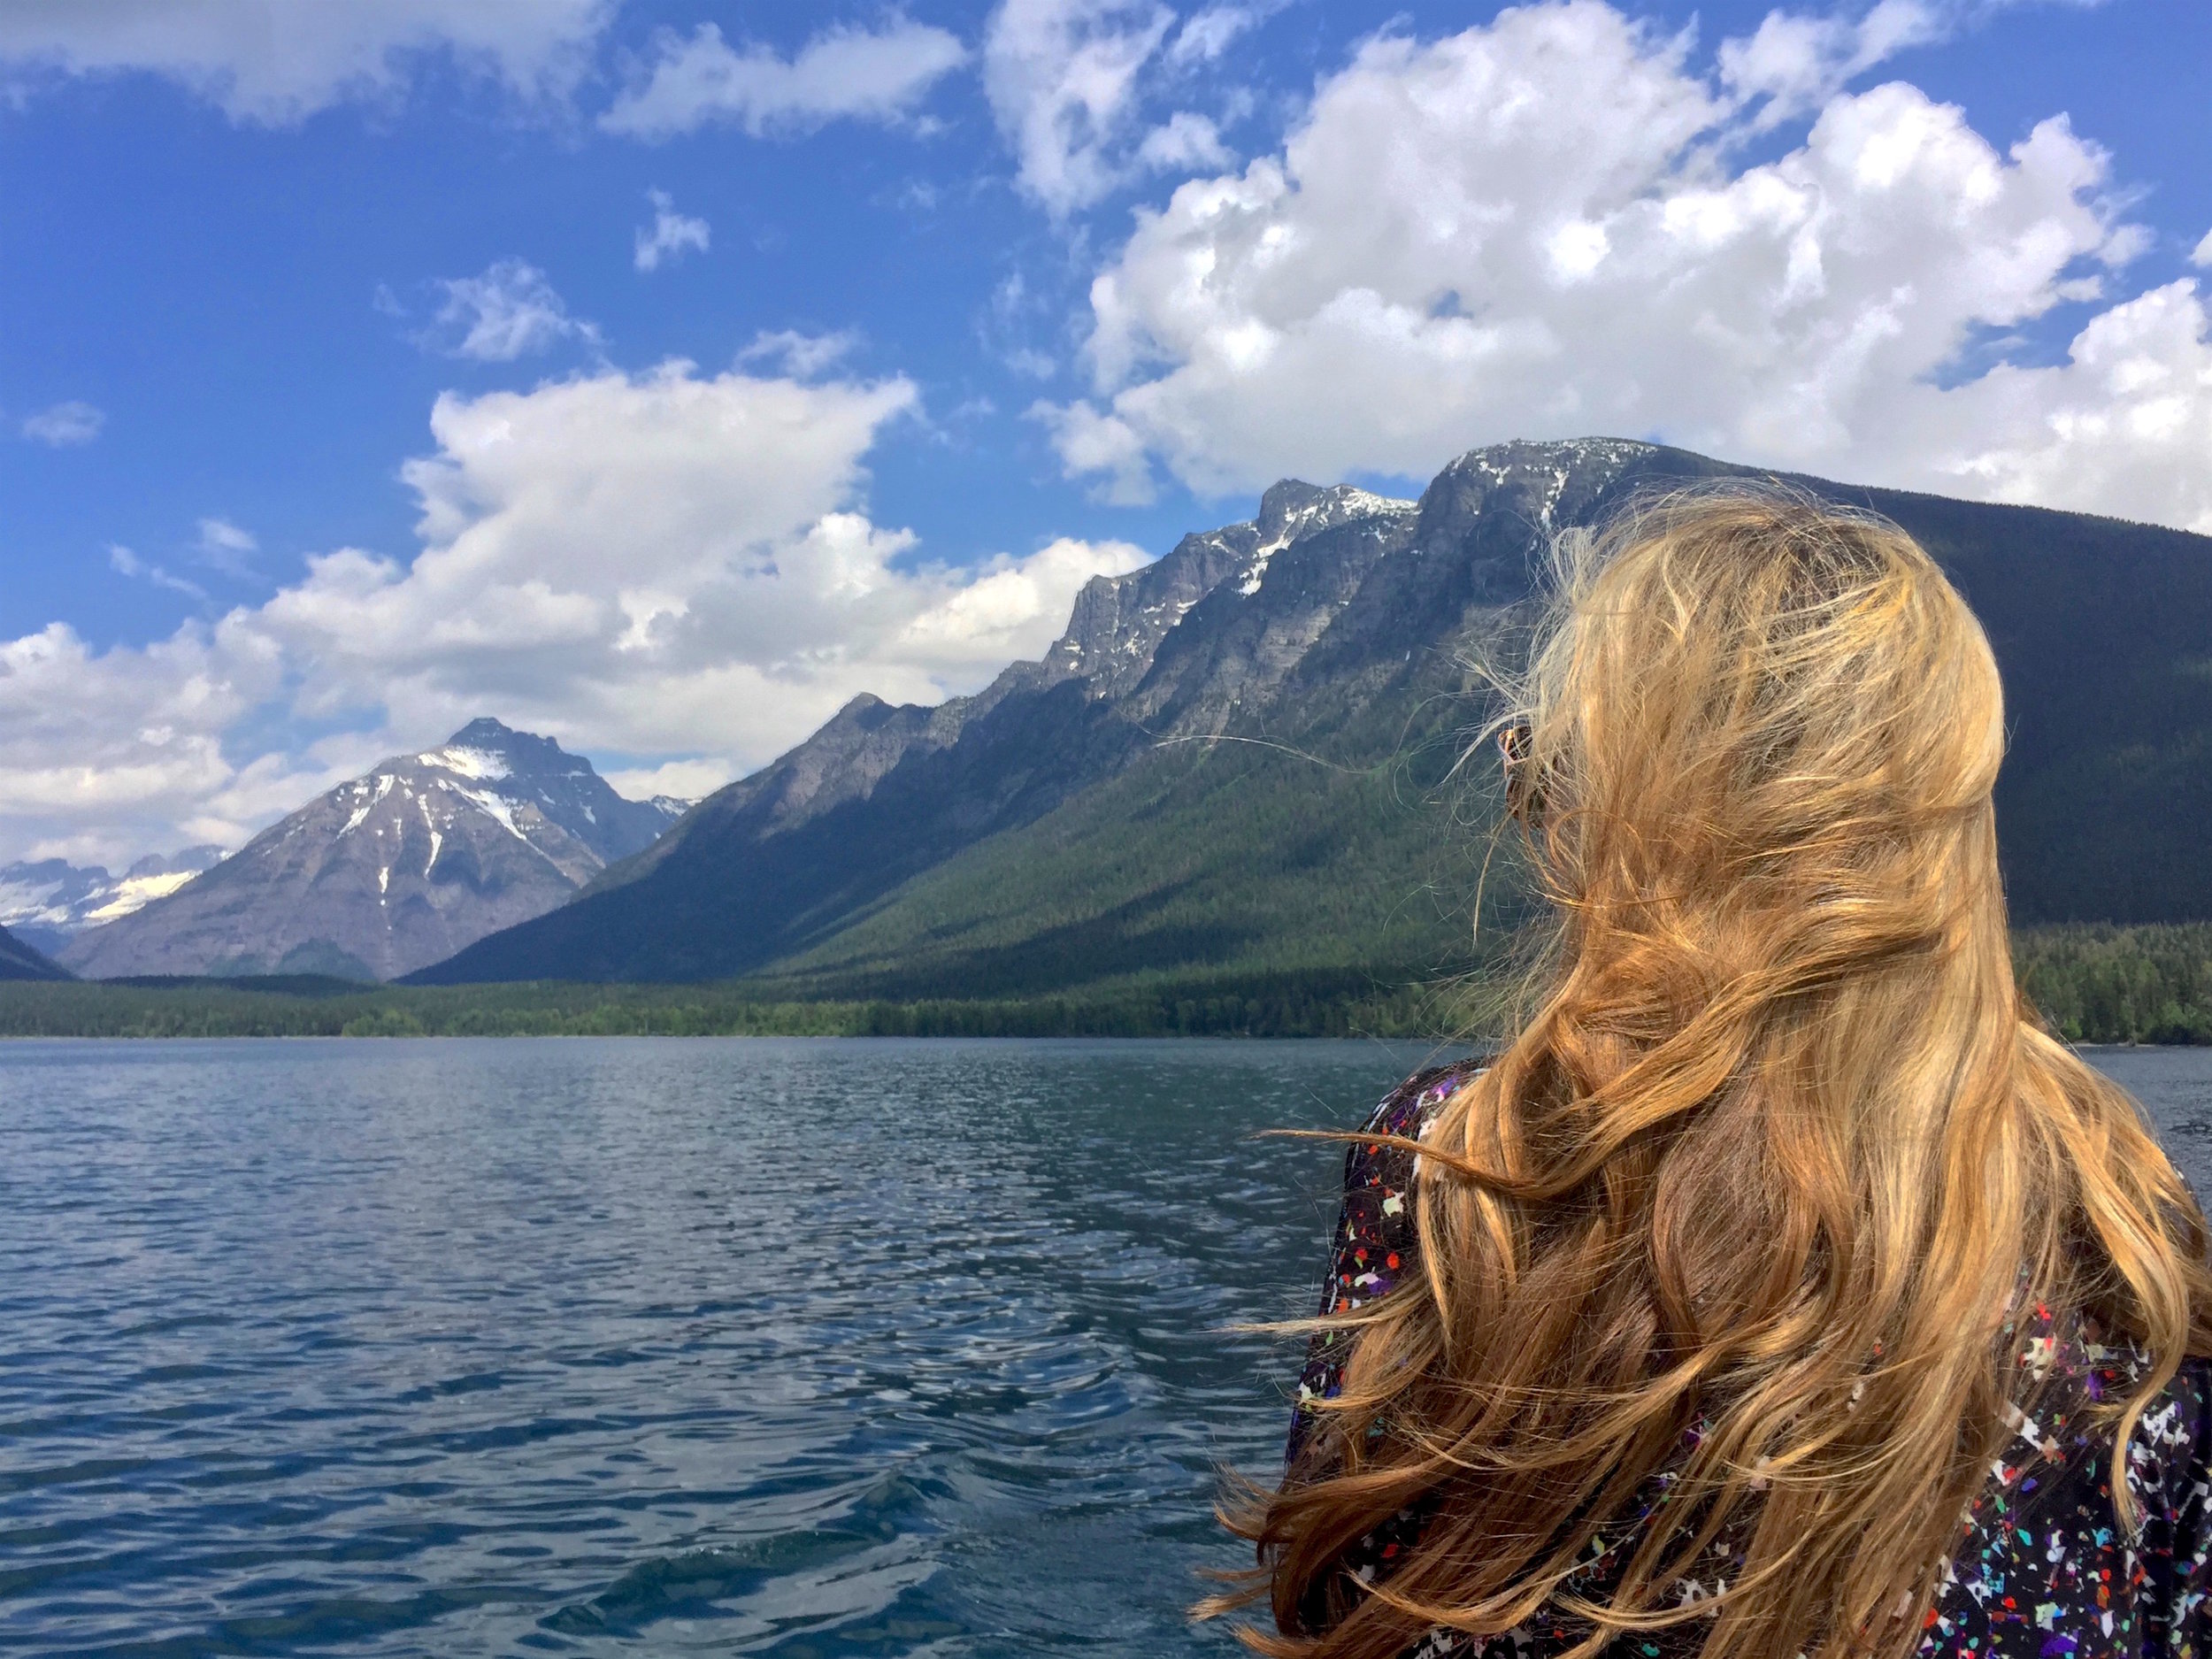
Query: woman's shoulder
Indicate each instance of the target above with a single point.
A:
(1404, 1114)
(1372, 1246)
(1406, 1108)
(2075, 1375)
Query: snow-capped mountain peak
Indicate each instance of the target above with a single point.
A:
(394, 870)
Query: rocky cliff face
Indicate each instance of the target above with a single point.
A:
(399, 868)
(1106, 652)
(1336, 624)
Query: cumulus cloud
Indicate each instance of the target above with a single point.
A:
(1534, 228)
(671, 234)
(1067, 80)
(1184, 140)
(876, 75)
(1797, 61)
(670, 565)
(509, 312)
(1092, 443)
(280, 61)
(106, 754)
(2123, 426)
(64, 425)
(1009, 607)
(686, 779)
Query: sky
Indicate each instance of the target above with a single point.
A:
(660, 374)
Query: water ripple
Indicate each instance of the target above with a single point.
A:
(765, 1347)
(590, 1347)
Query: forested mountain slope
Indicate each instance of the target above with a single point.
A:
(1233, 762)
(19, 961)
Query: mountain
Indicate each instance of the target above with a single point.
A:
(421, 856)
(47, 903)
(1234, 762)
(19, 961)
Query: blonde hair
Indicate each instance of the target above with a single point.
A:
(1778, 1151)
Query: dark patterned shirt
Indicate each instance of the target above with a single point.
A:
(2043, 1571)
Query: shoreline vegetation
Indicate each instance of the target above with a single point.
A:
(1326, 1003)
(2096, 982)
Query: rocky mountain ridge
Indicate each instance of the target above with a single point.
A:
(1231, 686)
(47, 901)
(403, 866)
(1200, 644)
(1117, 626)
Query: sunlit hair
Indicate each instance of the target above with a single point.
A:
(1777, 1143)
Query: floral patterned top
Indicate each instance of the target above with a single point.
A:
(2042, 1572)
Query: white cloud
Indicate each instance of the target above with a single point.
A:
(111, 753)
(686, 779)
(509, 312)
(1009, 608)
(672, 233)
(279, 61)
(1533, 229)
(667, 565)
(1091, 443)
(878, 75)
(1184, 140)
(64, 425)
(1062, 76)
(1070, 82)
(1208, 33)
(1797, 62)
(2123, 426)
(801, 356)
(224, 546)
(126, 563)
(2201, 256)
(1794, 61)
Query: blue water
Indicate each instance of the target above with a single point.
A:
(592, 1346)
(635, 1347)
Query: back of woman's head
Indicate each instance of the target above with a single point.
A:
(1752, 1196)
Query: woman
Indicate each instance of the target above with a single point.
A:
(1782, 1287)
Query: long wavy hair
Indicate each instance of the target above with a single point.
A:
(1775, 1157)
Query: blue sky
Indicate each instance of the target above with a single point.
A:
(347, 395)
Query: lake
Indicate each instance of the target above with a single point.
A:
(758, 1347)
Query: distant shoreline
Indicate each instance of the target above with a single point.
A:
(2098, 984)
(1324, 1005)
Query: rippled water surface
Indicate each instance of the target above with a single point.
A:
(574, 1347)
(464, 1347)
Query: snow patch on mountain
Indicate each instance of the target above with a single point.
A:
(481, 764)
(1285, 519)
